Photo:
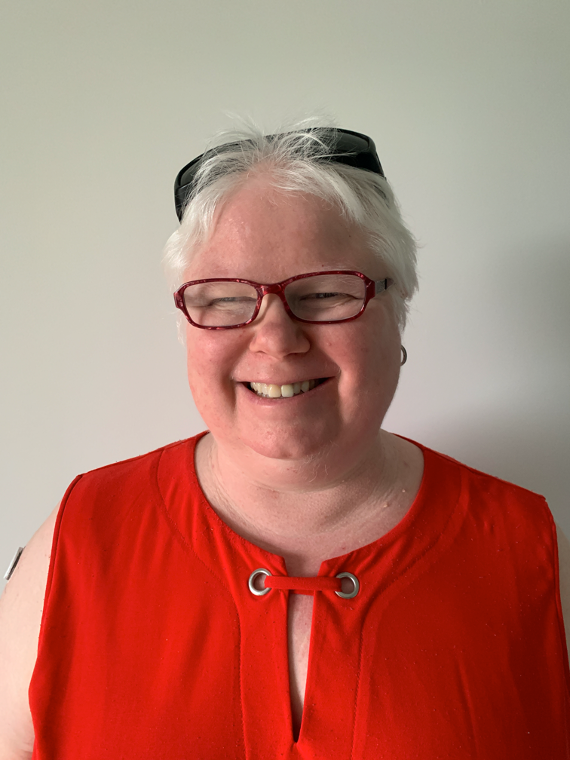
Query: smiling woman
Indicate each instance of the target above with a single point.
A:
(305, 235)
(295, 582)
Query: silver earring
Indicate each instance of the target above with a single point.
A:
(404, 356)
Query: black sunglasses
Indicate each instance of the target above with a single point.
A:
(350, 148)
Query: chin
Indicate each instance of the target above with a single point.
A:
(297, 445)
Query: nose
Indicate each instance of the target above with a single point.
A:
(275, 333)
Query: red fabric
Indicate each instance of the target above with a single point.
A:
(303, 585)
(152, 645)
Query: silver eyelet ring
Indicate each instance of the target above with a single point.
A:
(355, 583)
(251, 581)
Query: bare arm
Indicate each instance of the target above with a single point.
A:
(564, 569)
(20, 615)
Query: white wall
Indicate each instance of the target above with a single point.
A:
(103, 102)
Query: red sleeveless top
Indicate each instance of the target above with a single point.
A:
(152, 645)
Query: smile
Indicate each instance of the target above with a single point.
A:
(271, 390)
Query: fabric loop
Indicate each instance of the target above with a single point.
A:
(303, 585)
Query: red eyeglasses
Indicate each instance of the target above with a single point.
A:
(316, 298)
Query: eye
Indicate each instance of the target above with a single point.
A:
(231, 300)
(325, 295)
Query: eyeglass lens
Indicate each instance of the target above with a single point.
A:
(319, 298)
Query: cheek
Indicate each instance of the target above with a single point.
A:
(370, 366)
(370, 352)
(208, 363)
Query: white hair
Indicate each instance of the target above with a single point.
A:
(295, 161)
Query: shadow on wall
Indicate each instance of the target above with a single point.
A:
(521, 430)
(533, 452)
(538, 281)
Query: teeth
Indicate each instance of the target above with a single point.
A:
(270, 390)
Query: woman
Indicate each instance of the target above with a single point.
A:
(297, 582)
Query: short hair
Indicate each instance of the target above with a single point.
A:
(295, 161)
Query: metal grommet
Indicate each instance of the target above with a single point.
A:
(251, 581)
(355, 583)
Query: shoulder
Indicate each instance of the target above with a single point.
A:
(104, 513)
(499, 494)
(21, 608)
(501, 521)
(499, 515)
(136, 467)
(109, 491)
(530, 532)
(527, 517)
(22, 603)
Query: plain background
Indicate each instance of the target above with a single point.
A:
(102, 103)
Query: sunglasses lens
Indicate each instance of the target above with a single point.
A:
(351, 142)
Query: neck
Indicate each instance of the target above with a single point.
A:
(300, 512)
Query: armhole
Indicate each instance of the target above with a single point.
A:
(561, 622)
(53, 554)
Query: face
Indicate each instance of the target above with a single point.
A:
(267, 236)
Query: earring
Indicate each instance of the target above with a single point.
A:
(404, 356)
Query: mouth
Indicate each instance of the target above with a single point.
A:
(274, 391)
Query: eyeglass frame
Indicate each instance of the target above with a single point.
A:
(372, 289)
(344, 150)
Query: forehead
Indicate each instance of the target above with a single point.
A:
(268, 234)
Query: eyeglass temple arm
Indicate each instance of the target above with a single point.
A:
(380, 285)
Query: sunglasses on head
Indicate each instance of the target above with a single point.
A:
(346, 147)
